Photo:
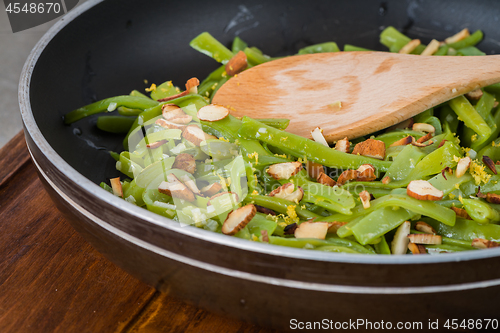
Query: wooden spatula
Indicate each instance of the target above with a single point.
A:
(353, 93)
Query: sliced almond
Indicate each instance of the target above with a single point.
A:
(185, 119)
(458, 36)
(423, 127)
(400, 241)
(492, 198)
(265, 236)
(431, 48)
(408, 123)
(163, 188)
(192, 85)
(448, 170)
(425, 138)
(116, 185)
(490, 164)
(474, 95)
(371, 148)
(185, 162)
(235, 197)
(366, 173)
(480, 243)
(416, 248)
(346, 176)
(335, 226)
(211, 189)
(314, 169)
(288, 192)
(238, 219)
(442, 143)
(424, 227)
(236, 64)
(325, 180)
(317, 135)
(169, 124)
(290, 229)
(191, 184)
(265, 210)
(423, 190)
(404, 141)
(460, 212)
(386, 180)
(312, 230)
(408, 48)
(171, 111)
(418, 144)
(176, 189)
(365, 199)
(343, 145)
(156, 144)
(212, 112)
(425, 239)
(463, 166)
(284, 170)
(195, 135)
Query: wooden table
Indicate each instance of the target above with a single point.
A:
(51, 280)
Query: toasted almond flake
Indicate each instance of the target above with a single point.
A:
(480, 243)
(424, 227)
(284, 170)
(265, 210)
(448, 170)
(170, 111)
(235, 197)
(185, 119)
(314, 169)
(442, 143)
(431, 48)
(283, 191)
(325, 180)
(212, 112)
(408, 123)
(408, 48)
(163, 188)
(423, 127)
(404, 141)
(211, 189)
(116, 185)
(169, 98)
(238, 219)
(371, 148)
(176, 189)
(460, 212)
(316, 230)
(156, 144)
(400, 241)
(169, 124)
(365, 199)
(335, 226)
(195, 135)
(317, 136)
(425, 138)
(474, 95)
(346, 176)
(190, 184)
(236, 64)
(462, 166)
(343, 145)
(366, 173)
(428, 239)
(265, 236)
(489, 163)
(185, 162)
(290, 229)
(458, 36)
(418, 144)
(423, 190)
(416, 248)
(386, 180)
(490, 197)
(192, 85)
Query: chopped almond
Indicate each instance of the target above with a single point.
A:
(190, 184)
(317, 135)
(480, 243)
(171, 111)
(238, 219)
(416, 248)
(156, 144)
(423, 127)
(423, 190)
(195, 135)
(431, 48)
(489, 163)
(236, 64)
(404, 141)
(425, 239)
(163, 188)
(176, 189)
(212, 112)
(116, 185)
(185, 119)
(346, 176)
(334, 226)
(460, 212)
(491, 198)
(312, 230)
(366, 173)
(408, 123)
(169, 124)
(234, 196)
(371, 148)
(424, 227)
(265, 236)
(474, 95)
(386, 180)
(442, 143)
(425, 138)
(418, 144)
(458, 36)
(365, 199)
(408, 48)
(211, 189)
(325, 180)
(287, 192)
(343, 145)
(265, 210)
(284, 170)
(400, 241)
(185, 162)
(314, 169)
(463, 166)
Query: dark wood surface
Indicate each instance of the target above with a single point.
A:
(51, 280)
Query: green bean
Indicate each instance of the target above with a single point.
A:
(320, 48)
(382, 247)
(207, 44)
(350, 48)
(255, 58)
(238, 45)
(480, 211)
(471, 118)
(278, 123)
(395, 40)
(279, 205)
(471, 40)
(470, 51)
(466, 230)
(114, 124)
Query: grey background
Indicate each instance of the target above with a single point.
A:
(14, 50)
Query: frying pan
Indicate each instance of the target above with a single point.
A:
(108, 48)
